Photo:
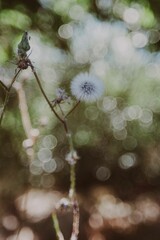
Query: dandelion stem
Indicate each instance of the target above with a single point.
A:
(74, 107)
(57, 227)
(7, 96)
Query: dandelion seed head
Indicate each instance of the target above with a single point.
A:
(87, 87)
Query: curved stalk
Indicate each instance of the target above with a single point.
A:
(63, 121)
(74, 107)
(7, 96)
(57, 227)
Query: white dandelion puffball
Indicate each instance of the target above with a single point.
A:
(87, 87)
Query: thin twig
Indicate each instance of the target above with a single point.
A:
(70, 141)
(72, 195)
(7, 96)
(61, 110)
(72, 190)
(76, 217)
(57, 227)
(4, 86)
(72, 181)
(63, 121)
(73, 108)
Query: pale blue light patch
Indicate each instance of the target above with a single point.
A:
(44, 155)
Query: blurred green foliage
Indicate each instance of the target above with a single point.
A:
(119, 42)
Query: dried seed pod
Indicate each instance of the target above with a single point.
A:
(23, 46)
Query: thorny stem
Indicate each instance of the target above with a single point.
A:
(7, 96)
(57, 227)
(63, 121)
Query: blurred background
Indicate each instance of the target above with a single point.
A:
(117, 138)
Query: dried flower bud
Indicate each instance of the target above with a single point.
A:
(61, 96)
(23, 46)
(60, 93)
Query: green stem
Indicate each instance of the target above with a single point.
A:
(57, 227)
(7, 96)
(72, 181)
(70, 141)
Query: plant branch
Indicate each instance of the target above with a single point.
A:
(7, 96)
(4, 86)
(76, 217)
(74, 107)
(72, 190)
(72, 181)
(61, 110)
(57, 227)
(72, 193)
(63, 121)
